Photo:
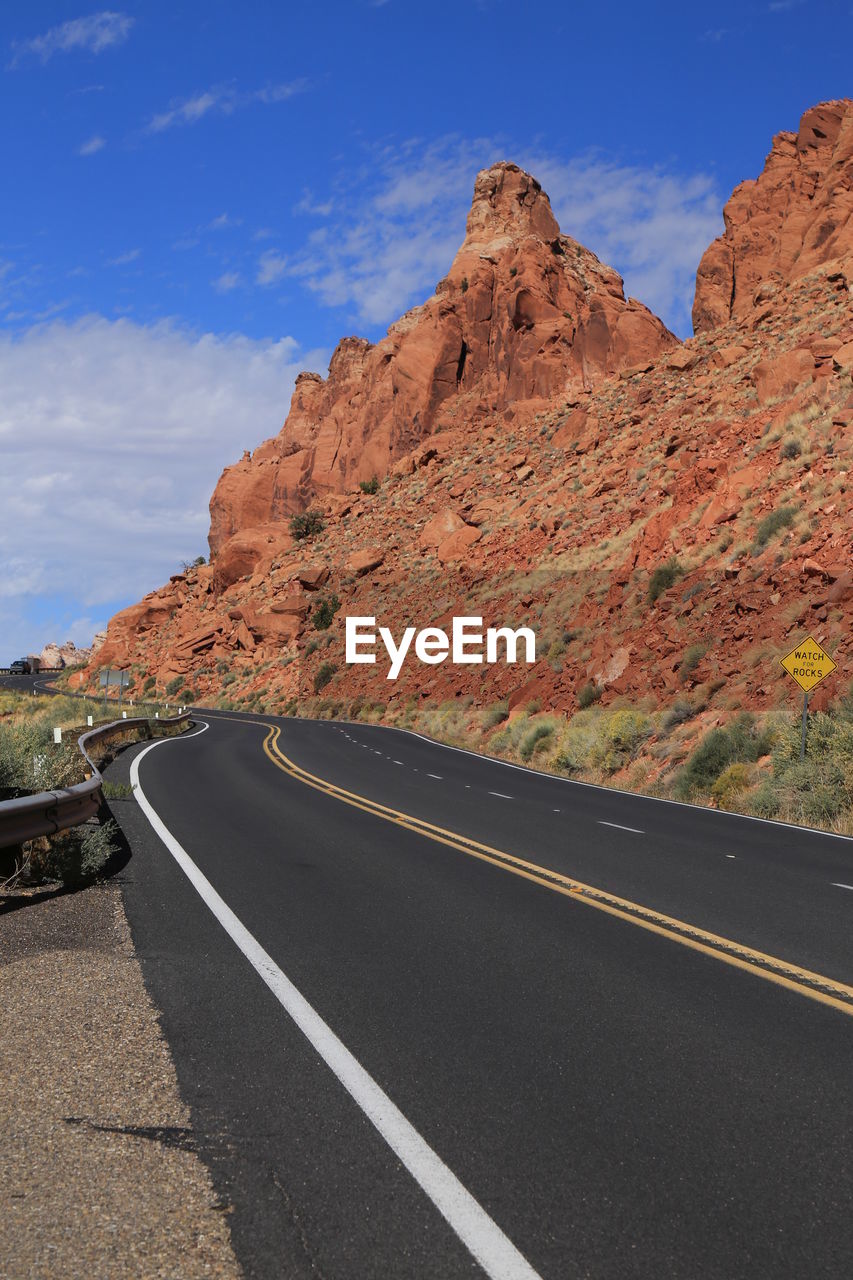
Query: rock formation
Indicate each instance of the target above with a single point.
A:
(544, 447)
(67, 655)
(523, 314)
(795, 217)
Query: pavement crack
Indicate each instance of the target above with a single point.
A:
(301, 1234)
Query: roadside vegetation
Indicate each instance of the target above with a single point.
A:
(30, 761)
(682, 751)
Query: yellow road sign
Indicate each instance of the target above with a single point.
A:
(808, 664)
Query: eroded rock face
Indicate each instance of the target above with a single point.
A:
(795, 217)
(522, 313)
(65, 655)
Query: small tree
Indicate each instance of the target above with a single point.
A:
(369, 486)
(306, 525)
(324, 613)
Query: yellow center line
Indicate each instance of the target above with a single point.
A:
(804, 982)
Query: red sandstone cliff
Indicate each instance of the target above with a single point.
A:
(523, 313)
(795, 217)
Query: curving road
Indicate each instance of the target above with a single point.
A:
(437, 1016)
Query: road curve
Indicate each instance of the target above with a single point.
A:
(614, 1101)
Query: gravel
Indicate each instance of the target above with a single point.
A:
(99, 1177)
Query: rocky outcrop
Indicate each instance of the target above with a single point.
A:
(65, 655)
(523, 313)
(797, 216)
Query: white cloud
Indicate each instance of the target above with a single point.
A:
(400, 220)
(96, 143)
(222, 99)
(93, 34)
(109, 462)
(124, 258)
(222, 223)
(190, 111)
(271, 267)
(227, 281)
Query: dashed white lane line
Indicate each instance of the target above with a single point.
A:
(437, 777)
(501, 795)
(730, 855)
(836, 885)
(619, 827)
(480, 1234)
(397, 762)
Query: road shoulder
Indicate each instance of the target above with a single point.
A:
(99, 1175)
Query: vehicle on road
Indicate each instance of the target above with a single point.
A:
(21, 667)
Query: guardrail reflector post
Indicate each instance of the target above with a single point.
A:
(57, 735)
(89, 721)
(156, 715)
(124, 715)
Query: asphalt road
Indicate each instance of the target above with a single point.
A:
(613, 1099)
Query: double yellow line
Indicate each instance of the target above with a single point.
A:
(814, 986)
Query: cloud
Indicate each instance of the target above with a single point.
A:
(109, 464)
(93, 34)
(400, 219)
(227, 281)
(317, 208)
(96, 143)
(223, 100)
(124, 258)
(271, 267)
(222, 223)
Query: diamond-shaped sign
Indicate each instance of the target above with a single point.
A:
(808, 664)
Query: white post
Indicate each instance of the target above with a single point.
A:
(57, 735)
(124, 715)
(89, 721)
(156, 715)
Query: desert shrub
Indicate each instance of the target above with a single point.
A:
(30, 760)
(324, 674)
(741, 741)
(663, 577)
(325, 611)
(588, 694)
(680, 711)
(174, 685)
(772, 523)
(537, 737)
(578, 741)
(74, 857)
(369, 486)
(790, 449)
(306, 524)
(464, 285)
(495, 714)
(693, 655)
(149, 684)
(622, 733)
(734, 779)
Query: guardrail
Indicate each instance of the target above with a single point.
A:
(47, 812)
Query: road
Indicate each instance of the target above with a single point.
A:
(557, 1084)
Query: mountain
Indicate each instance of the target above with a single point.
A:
(670, 518)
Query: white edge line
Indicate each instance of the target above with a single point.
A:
(836, 885)
(494, 1251)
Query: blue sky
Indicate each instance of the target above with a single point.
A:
(202, 198)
